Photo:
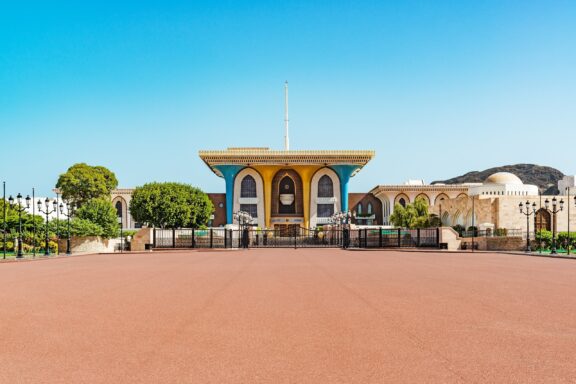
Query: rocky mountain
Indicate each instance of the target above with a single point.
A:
(546, 178)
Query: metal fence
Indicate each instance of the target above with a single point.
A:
(193, 238)
(398, 238)
(297, 238)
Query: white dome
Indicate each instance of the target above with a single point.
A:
(503, 178)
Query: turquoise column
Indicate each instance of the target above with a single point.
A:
(229, 172)
(344, 171)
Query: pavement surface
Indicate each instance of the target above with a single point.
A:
(289, 316)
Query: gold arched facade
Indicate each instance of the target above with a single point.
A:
(291, 183)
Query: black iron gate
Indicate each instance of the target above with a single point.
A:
(297, 238)
(193, 238)
(398, 238)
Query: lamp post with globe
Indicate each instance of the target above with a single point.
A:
(527, 211)
(69, 212)
(20, 209)
(47, 211)
(554, 211)
(244, 219)
(343, 219)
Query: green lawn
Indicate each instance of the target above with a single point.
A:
(560, 251)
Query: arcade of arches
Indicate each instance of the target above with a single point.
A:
(304, 188)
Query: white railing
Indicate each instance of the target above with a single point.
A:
(325, 200)
(248, 200)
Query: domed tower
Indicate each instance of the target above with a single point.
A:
(503, 184)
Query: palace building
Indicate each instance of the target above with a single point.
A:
(287, 189)
(284, 189)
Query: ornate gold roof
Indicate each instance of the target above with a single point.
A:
(265, 156)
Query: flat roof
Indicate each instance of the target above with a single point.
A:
(265, 156)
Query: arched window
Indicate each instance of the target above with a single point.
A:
(119, 208)
(325, 187)
(402, 202)
(287, 185)
(287, 195)
(248, 187)
(369, 209)
(359, 209)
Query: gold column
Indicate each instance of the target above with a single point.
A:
(267, 172)
(306, 172)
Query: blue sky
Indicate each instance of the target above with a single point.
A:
(436, 88)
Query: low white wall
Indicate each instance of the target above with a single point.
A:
(450, 237)
(90, 244)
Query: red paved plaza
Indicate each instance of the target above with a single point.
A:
(289, 316)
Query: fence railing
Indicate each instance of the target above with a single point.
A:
(298, 238)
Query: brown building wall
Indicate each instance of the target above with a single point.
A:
(219, 202)
(355, 198)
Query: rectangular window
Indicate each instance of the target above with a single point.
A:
(325, 210)
(252, 209)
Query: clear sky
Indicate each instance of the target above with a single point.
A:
(436, 88)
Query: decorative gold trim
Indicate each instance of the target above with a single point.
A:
(262, 156)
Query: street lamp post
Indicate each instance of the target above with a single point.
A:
(569, 240)
(574, 204)
(20, 209)
(554, 211)
(244, 218)
(343, 219)
(33, 223)
(568, 217)
(473, 223)
(47, 212)
(526, 211)
(68, 214)
(4, 216)
(57, 224)
(121, 234)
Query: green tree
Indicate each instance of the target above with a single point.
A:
(102, 213)
(414, 215)
(83, 182)
(78, 227)
(402, 216)
(12, 219)
(170, 205)
(435, 220)
(29, 237)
